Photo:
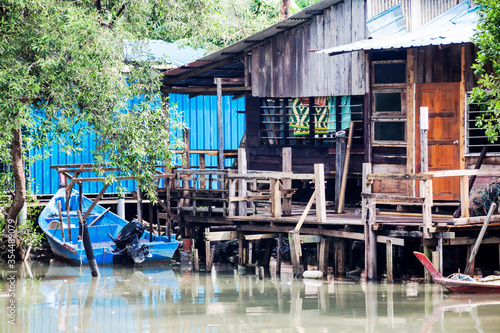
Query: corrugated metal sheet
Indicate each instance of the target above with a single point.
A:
(416, 12)
(455, 26)
(387, 23)
(200, 115)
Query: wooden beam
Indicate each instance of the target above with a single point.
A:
(473, 220)
(231, 80)
(220, 125)
(402, 176)
(306, 210)
(286, 167)
(392, 198)
(261, 236)
(94, 203)
(466, 172)
(242, 183)
(319, 185)
(216, 236)
(464, 196)
(275, 198)
(205, 90)
(310, 239)
(251, 175)
(198, 71)
(470, 241)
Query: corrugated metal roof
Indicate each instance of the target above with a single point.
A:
(389, 22)
(455, 26)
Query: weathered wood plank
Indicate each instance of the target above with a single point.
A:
(357, 58)
(287, 77)
(215, 236)
(392, 198)
(415, 176)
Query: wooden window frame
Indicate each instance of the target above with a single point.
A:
(387, 62)
(385, 143)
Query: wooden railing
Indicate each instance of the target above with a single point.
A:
(279, 193)
(369, 199)
(238, 193)
(200, 191)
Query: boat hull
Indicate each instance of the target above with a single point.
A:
(456, 285)
(161, 248)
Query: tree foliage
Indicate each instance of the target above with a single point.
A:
(62, 64)
(487, 67)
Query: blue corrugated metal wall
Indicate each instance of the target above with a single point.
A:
(199, 114)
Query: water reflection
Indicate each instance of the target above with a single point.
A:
(61, 298)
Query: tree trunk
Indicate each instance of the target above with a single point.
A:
(20, 183)
(284, 9)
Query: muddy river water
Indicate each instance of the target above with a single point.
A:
(56, 297)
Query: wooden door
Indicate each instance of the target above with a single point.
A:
(443, 100)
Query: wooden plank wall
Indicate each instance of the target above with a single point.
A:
(282, 66)
(439, 64)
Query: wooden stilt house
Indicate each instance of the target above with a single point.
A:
(428, 67)
(301, 99)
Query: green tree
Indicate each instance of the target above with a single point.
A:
(62, 64)
(211, 24)
(487, 67)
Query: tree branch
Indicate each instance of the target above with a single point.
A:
(98, 6)
(120, 12)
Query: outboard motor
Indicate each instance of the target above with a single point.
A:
(128, 241)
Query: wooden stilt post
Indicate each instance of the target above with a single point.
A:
(196, 260)
(469, 269)
(80, 208)
(323, 255)
(389, 269)
(426, 188)
(61, 223)
(242, 183)
(341, 260)
(231, 194)
(208, 251)
(428, 254)
(280, 247)
(241, 250)
(287, 183)
(368, 217)
(150, 220)
(220, 124)
(275, 198)
(139, 203)
(319, 185)
(295, 252)
(439, 249)
(435, 258)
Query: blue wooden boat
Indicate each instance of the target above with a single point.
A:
(161, 248)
